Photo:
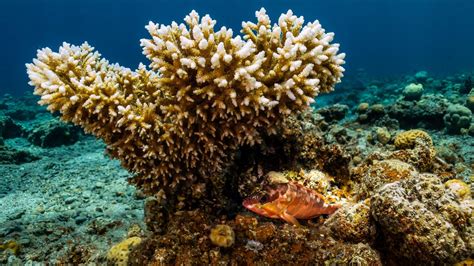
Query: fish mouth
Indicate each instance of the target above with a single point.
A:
(252, 200)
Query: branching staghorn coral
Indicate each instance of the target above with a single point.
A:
(207, 93)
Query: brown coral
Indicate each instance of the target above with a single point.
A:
(208, 93)
(415, 147)
(407, 139)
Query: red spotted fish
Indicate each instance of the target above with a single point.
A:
(290, 201)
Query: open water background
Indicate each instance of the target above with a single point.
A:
(383, 37)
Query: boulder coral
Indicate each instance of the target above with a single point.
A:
(413, 92)
(416, 148)
(407, 139)
(457, 118)
(207, 94)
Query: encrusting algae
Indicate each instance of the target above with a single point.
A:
(11, 246)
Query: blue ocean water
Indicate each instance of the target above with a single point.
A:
(383, 37)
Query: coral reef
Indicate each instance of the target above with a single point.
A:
(428, 112)
(415, 147)
(214, 93)
(221, 120)
(381, 172)
(304, 144)
(370, 113)
(459, 188)
(383, 135)
(334, 113)
(408, 139)
(349, 161)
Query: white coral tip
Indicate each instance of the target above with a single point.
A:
(74, 98)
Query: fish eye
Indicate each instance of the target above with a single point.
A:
(264, 198)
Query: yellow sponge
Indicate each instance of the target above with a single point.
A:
(222, 235)
(118, 254)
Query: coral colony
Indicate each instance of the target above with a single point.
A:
(208, 93)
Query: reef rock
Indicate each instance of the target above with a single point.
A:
(420, 220)
(353, 223)
(383, 172)
(10, 155)
(416, 148)
(187, 240)
(457, 119)
(428, 112)
(54, 133)
(334, 112)
(413, 92)
(9, 129)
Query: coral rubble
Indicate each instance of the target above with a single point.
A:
(255, 243)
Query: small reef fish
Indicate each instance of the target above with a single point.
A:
(290, 201)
